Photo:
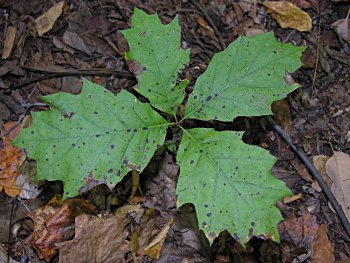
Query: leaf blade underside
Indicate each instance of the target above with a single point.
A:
(93, 135)
(157, 48)
(229, 183)
(244, 79)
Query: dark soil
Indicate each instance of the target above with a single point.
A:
(317, 115)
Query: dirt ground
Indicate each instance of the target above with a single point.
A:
(86, 42)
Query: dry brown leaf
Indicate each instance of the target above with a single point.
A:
(303, 4)
(45, 22)
(319, 162)
(154, 248)
(338, 169)
(99, 239)
(288, 15)
(54, 223)
(282, 113)
(149, 236)
(303, 236)
(342, 27)
(9, 40)
(11, 159)
(322, 251)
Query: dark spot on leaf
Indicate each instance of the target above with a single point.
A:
(149, 90)
(252, 223)
(204, 224)
(209, 214)
(200, 151)
(112, 146)
(191, 162)
(73, 144)
(206, 206)
(54, 146)
(110, 170)
(135, 130)
(97, 135)
(216, 94)
(46, 159)
(83, 143)
(125, 161)
(32, 132)
(117, 173)
(128, 130)
(195, 97)
(208, 98)
(95, 112)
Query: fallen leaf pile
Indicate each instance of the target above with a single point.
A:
(54, 223)
(302, 238)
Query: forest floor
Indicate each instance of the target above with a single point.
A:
(86, 42)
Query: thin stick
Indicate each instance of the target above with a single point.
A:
(81, 72)
(199, 5)
(317, 50)
(338, 209)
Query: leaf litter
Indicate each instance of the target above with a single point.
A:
(149, 9)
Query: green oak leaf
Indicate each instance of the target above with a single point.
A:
(92, 135)
(230, 184)
(157, 48)
(244, 79)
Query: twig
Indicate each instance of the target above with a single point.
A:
(10, 225)
(21, 117)
(199, 5)
(317, 50)
(80, 72)
(315, 173)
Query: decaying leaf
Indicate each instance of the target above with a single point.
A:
(288, 15)
(322, 251)
(9, 40)
(282, 113)
(319, 162)
(45, 22)
(54, 223)
(11, 159)
(342, 27)
(303, 236)
(149, 236)
(338, 169)
(99, 239)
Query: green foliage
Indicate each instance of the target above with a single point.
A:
(99, 136)
(157, 48)
(244, 79)
(94, 134)
(229, 183)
